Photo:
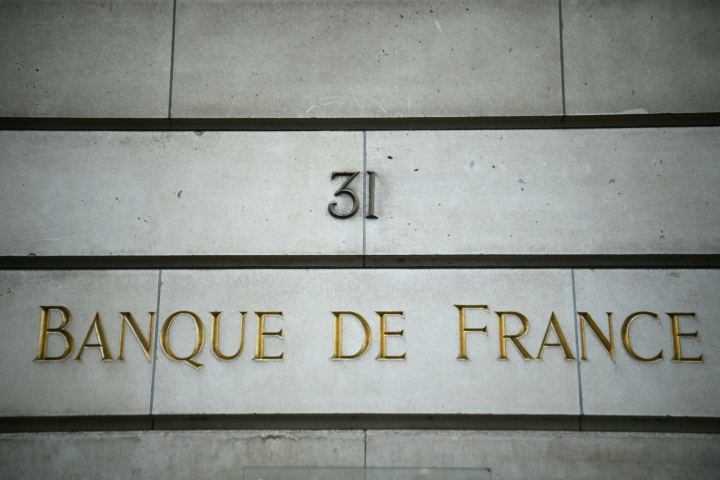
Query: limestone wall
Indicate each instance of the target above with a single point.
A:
(536, 207)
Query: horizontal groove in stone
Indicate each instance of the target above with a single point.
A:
(362, 422)
(358, 261)
(366, 422)
(542, 261)
(75, 424)
(409, 123)
(597, 423)
(190, 261)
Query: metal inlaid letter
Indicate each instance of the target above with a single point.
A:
(102, 345)
(555, 326)
(513, 338)
(261, 334)
(382, 333)
(337, 337)
(199, 339)
(625, 337)
(45, 330)
(677, 353)
(606, 342)
(215, 336)
(344, 190)
(463, 330)
(371, 196)
(144, 343)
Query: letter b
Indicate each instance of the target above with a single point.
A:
(45, 330)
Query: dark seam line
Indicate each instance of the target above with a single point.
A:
(538, 122)
(562, 57)
(365, 452)
(354, 261)
(365, 194)
(172, 61)
(357, 267)
(157, 321)
(577, 348)
(363, 422)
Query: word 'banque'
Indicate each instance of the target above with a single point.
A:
(607, 342)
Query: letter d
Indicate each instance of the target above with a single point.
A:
(337, 344)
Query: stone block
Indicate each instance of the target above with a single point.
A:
(431, 380)
(366, 58)
(150, 455)
(665, 387)
(79, 59)
(559, 192)
(180, 193)
(89, 386)
(645, 56)
(521, 455)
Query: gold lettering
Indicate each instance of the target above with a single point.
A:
(625, 336)
(677, 353)
(199, 339)
(100, 334)
(606, 343)
(145, 344)
(337, 339)
(45, 330)
(261, 334)
(554, 325)
(461, 321)
(215, 336)
(513, 338)
(382, 334)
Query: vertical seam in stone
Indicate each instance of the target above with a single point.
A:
(577, 346)
(155, 333)
(365, 453)
(562, 57)
(365, 194)
(172, 61)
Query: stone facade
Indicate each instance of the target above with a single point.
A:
(541, 222)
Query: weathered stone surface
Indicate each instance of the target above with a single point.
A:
(430, 380)
(79, 59)
(366, 59)
(151, 455)
(609, 191)
(223, 454)
(521, 455)
(89, 386)
(182, 193)
(663, 388)
(645, 56)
